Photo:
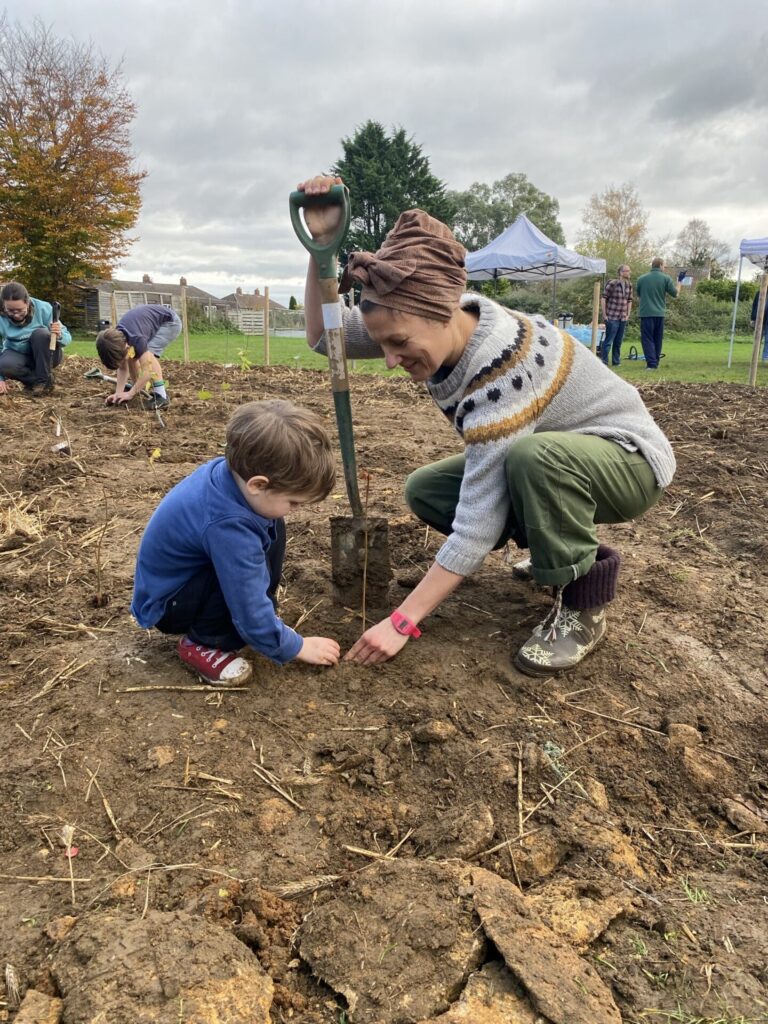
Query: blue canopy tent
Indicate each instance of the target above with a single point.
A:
(756, 251)
(524, 253)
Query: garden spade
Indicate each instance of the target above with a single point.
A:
(360, 569)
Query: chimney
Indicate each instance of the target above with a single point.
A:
(238, 291)
(256, 291)
(146, 279)
(183, 281)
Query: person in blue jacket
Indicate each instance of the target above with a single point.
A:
(26, 329)
(211, 557)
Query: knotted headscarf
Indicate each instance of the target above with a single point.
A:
(419, 268)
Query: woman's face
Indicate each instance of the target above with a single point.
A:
(420, 346)
(16, 309)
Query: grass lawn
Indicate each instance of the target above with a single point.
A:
(234, 348)
(693, 357)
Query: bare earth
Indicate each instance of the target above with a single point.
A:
(227, 849)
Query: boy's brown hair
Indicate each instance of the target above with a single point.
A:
(283, 442)
(111, 346)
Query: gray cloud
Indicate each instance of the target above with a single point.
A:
(238, 100)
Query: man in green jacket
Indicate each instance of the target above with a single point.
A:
(652, 290)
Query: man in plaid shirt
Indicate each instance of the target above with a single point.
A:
(617, 305)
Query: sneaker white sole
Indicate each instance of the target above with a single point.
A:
(241, 674)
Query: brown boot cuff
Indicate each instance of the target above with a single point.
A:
(598, 586)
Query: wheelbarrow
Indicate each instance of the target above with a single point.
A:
(360, 566)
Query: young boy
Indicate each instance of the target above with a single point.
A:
(133, 349)
(210, 560)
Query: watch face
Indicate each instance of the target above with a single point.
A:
(400, 624)
(403, 625)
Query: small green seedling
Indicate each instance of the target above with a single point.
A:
(639, 947)
(695, 895)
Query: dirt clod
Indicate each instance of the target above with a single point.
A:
(153, 969)
(560, 985)
(38, 1008)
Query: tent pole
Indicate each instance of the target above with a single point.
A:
(735, 307)
(759, 320)
(595, 317)
(554, 290)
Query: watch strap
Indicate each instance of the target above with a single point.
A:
(404, 625)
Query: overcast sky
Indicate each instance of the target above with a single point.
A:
(240, 99)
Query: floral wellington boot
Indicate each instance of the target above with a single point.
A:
(576, 624)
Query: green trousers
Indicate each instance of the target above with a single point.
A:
(560, 486)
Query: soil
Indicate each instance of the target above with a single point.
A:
(227, 849)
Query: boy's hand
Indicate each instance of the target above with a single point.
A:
(126, 396)
(379, 643)
(319, 650)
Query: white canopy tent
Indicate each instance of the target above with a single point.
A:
(756, 251)
(524, 253)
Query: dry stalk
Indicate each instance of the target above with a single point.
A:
(611, 718)
(95, 782)
(65, 673)
(101, 599)
(305, 615)
(367, 477)
(304, 887)
(199, 688)
(67, 837)
(520, 788)
(42, 878)
(273, 782)
(161, 867)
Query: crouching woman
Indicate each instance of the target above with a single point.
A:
(26, 329)
(554, 443)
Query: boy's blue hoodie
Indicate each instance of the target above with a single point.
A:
(206, 520)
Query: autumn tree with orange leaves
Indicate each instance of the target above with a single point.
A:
(69, 189)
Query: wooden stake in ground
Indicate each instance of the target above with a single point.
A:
(184, 323)
(759, 321)
(266, 325)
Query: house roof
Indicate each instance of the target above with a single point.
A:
(250, 300)
(150, 286)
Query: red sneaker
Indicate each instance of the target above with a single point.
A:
(221, 668)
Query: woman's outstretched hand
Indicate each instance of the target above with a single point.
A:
(379, 643)
(322, 221)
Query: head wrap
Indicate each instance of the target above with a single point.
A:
(419, 269)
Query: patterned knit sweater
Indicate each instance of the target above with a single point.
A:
(519, 375)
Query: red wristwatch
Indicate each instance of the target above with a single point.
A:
(403, 625)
